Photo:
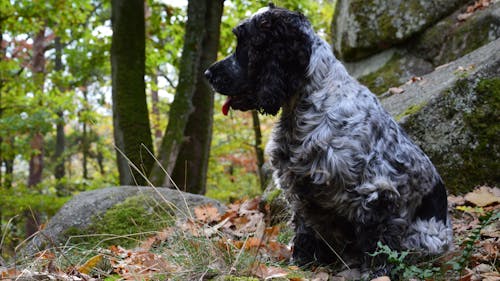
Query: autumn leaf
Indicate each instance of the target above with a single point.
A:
(207, 213)
(278, 250)
(157, 238)
(381, 278)
(90, 264)
(268, 272)
(483, 196)
(396, 90)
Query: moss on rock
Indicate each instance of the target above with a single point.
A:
(379, 81)
(409, 111)
(366, 27)
(459, 131)
(399, 69)
(124, 224)
(450, 39)
(482, 162)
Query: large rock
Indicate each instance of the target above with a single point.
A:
(457, 35)
(445, 41)
(363, 27)
(453, 115)
(83, 210)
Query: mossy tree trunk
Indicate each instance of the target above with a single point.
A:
(155, 101)
(182, 106)
(130, 113)
(191, 166)
(59, 171)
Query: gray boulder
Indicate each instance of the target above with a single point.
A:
(450, 38)
(83, 210)
(453, 37)
(361, 28)
(453, 115)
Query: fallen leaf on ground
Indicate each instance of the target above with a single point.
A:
(456, 200)
(207, 213)
(483, 196)
(90, 264)
(382, 278)
(268, 272)
(469, 11)
(395, 90)
(491, 230)
(156, 239)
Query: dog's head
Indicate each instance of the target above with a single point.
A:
(269, 64)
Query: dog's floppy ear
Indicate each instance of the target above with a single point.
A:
(271, 87)
(279, 55)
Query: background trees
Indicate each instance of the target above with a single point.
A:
(130, 114)
(182, 107)
(57, 97)
(190, 171)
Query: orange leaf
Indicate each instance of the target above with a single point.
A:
(253, 242)
(230, 214)
(90, 264)
(157, 238)
(278, 250)
(268, 272)
(272, 232)
(207, 213)
(483, 196)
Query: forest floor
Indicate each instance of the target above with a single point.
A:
(239, 245)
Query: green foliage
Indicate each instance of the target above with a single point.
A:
(205, 257)
(80, 91)
(460, 262)
(232, 165)
(20, 199)
(319, 13)
(232, 168)
(408, 266)
(402, 268)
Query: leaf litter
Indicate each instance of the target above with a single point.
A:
(243, 228)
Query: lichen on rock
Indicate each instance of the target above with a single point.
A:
(361, 28)
(451, 38)
(459, 131)
(453, 115)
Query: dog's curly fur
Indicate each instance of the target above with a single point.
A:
(351, 174)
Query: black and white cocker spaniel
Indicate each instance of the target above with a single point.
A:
(351, 174)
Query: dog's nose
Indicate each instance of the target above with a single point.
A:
(208, 74)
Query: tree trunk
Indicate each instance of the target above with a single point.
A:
(182, 107)
(2, 56)
(85, 138)
(259, 152)
(9, 172)
(130, 114)
(36, 143)
(34, 178)
(155, 100)
(60, 135)
(192, 162)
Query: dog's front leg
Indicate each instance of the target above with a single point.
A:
(389, 232)
(309, 247)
